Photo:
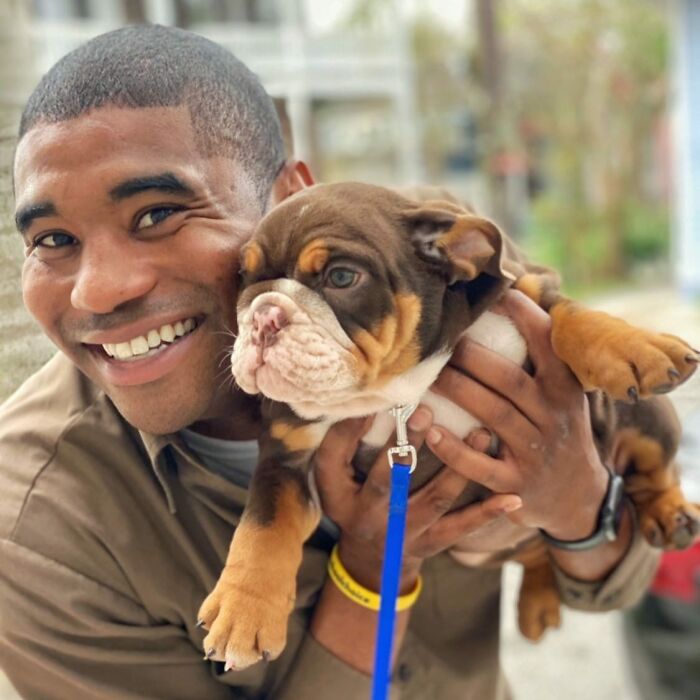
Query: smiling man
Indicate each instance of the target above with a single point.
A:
(146, 158)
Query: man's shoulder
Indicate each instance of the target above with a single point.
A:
(48, 424)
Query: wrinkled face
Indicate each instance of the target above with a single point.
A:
(347, 287)
(132, 245)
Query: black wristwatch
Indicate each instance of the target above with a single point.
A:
(609, 518)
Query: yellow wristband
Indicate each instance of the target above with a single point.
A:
(361, 595)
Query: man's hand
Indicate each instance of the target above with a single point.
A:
(360, 510)
(547, 454)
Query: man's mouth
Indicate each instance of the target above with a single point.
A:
(153, 342)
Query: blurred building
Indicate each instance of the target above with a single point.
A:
(687, 146)
(349, 94)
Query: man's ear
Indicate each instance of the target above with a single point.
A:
(460, 243)
(294, 176)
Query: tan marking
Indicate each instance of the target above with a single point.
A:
(253, 258)
(297, 437)
(391, 347)
(652, 472)
(538, 603)
(257, 588)
(531, 286)
(467, 245)
(602, 351)
(313, 257)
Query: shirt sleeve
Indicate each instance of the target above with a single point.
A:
(65, 636)
(624, 586)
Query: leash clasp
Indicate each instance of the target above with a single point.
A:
(402, 449)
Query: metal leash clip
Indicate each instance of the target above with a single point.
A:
(402, 449)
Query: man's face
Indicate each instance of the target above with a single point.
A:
(132, 239)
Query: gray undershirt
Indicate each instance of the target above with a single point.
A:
(234, 460)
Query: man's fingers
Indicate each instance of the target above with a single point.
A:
(333, 468)
(434, 499)
(452, 527)
(501, 375)
(490, 408)
(378, 483)
(342, 439)
(535, 325)
(471, 464)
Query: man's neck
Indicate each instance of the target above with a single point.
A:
(241, 422)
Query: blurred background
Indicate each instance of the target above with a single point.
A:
(574, 123)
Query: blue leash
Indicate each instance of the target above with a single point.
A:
(393, 553)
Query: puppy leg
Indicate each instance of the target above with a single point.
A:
(246, 613)
(538, 603)
(608, 353)
(644, 448)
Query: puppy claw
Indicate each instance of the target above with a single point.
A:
(200, 623)
(674, 374)
(210, 652)
(633, 394)
(662, 388)
(693, 359)
(266, 655)
(229, 666)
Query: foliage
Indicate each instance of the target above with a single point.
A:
(588, 79)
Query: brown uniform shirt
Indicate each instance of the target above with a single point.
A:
(111, 538)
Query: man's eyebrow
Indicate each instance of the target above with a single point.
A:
(164, 182)
(26, 215)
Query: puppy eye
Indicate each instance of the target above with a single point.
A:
(341, 277)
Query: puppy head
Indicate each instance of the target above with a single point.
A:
(346, 287)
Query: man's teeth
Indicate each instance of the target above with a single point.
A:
(144, 343)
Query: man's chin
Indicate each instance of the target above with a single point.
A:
(158, 418)
(161, 408)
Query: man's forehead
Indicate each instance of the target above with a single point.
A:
(108, 133)
(105, 147)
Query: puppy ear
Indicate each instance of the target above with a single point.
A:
(463, 244)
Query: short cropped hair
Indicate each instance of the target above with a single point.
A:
(154, 66)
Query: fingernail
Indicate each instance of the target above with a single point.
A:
(479, 440)
(434, 436)
(419, 420)
(514, 504)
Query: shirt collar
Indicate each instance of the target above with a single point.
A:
(158, 448)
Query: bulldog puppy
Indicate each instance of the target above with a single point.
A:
(353, 298)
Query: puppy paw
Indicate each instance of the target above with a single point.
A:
(538, 610)
(246, 618)
(669, 522)
(627, 363)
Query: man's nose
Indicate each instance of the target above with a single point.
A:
(110, 275)
(268, 321)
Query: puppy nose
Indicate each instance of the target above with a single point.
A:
(268, 321)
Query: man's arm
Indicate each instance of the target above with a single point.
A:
(65, 636)
(341, 626)
(547, 455)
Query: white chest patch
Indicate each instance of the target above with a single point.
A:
(492, 330)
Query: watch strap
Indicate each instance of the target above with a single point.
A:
(608, 519)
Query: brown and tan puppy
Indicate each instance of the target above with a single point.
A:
(352, 301)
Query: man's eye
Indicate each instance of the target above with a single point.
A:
(155, 216)
(341, 277)
(54, 240)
